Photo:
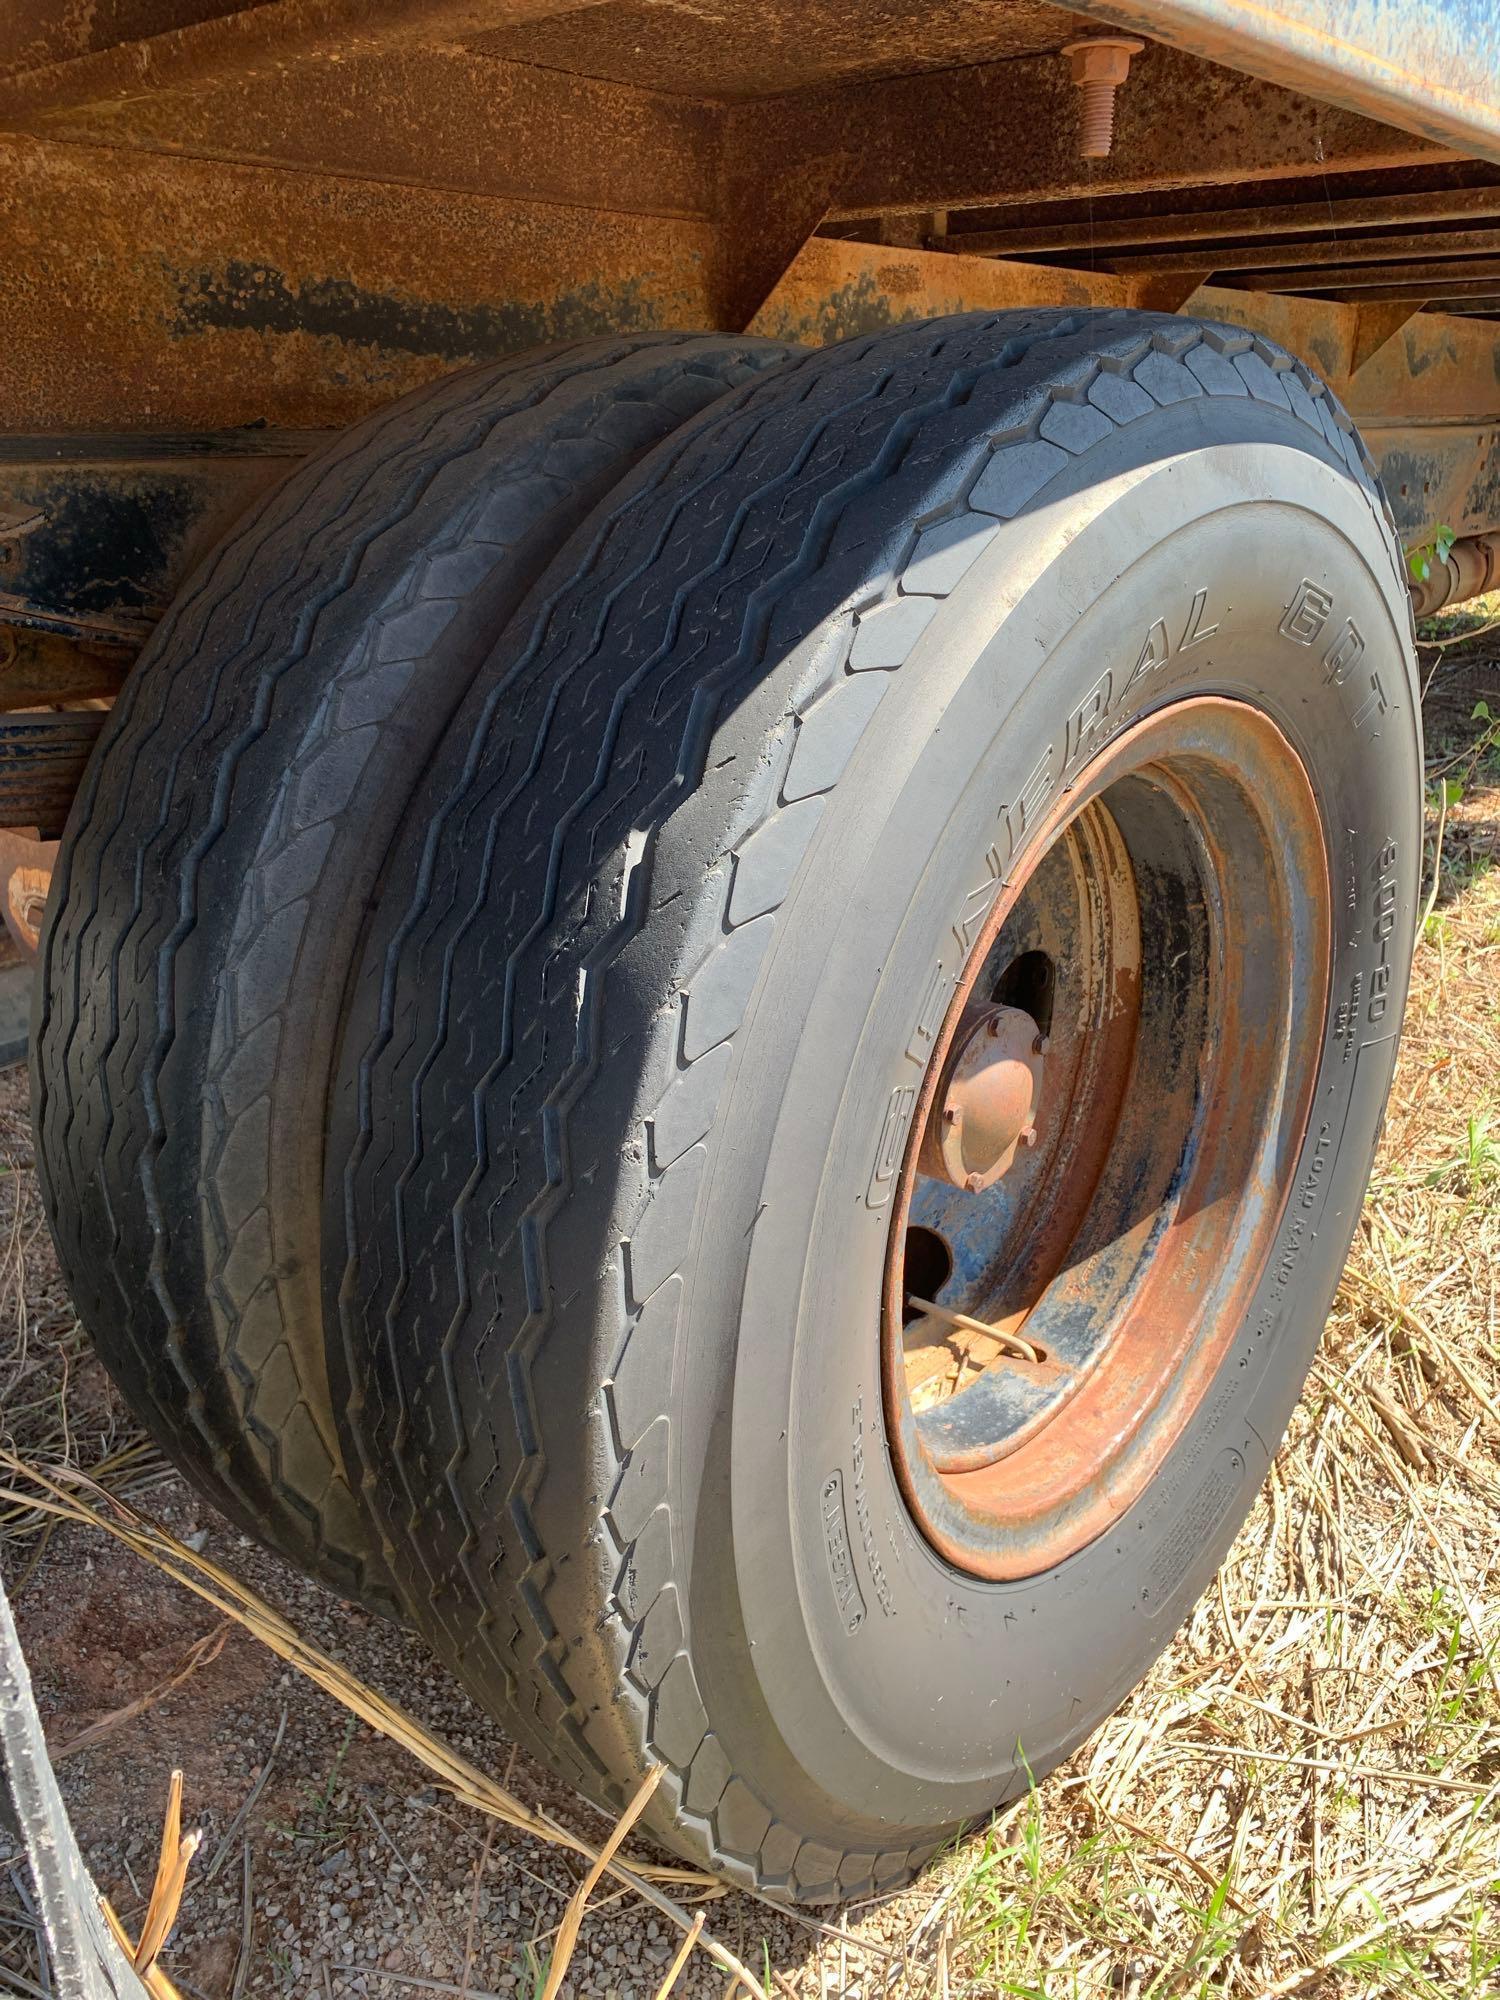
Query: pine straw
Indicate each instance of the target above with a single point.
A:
(68, 1495)
(1304, 1796)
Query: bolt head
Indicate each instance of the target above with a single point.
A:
(1028, 1137)
(1102, 58)
(1040, 1046)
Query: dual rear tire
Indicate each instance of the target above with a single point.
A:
(649, 989)
(211, 891)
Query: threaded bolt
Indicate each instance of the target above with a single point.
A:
(1096, 130)
(1100, 66)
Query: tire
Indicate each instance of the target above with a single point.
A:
(629, 1053)
(214, 876)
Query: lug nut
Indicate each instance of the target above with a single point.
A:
(1100, 66)
(1040, 1046)
(950, 1114)
(1028, 1137)
(974, 1183)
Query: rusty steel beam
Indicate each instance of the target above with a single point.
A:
(1370, 279)
(1431, 69)
(1322, 250)
(38, 668)
(37, 33)
(441, 119)
(1000, 133)
(766, 215)
(1107, 232)
(261, 40)
(770, 170)
(1425, 295)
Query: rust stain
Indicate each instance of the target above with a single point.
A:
(243, 297)
(837, 289)
(307, 303)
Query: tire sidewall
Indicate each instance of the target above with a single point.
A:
(921, 1695)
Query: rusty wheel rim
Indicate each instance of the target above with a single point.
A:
(1130, 1052)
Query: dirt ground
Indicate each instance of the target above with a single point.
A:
(1301, 1799)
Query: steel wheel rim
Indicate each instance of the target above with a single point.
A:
(1169, 920)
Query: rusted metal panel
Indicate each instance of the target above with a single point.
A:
(1374, 325)
(35, 34)
(759, 48)
(143, 290)
(1432, 69)
(146, 290)
(835, 290)
(1008, 132)
(309, 304)
(1439, 475)
(1437, 370)
(166, 52)
(981, 134)
(435, 118)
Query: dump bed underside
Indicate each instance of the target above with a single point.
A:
(229, 231)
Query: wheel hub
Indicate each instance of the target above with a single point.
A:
(986, 1109)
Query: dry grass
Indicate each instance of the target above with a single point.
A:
(1304, 1797)
(75, 1498)
(56, 1405)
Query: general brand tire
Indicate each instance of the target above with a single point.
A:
(216, 870)
(629, 1055)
